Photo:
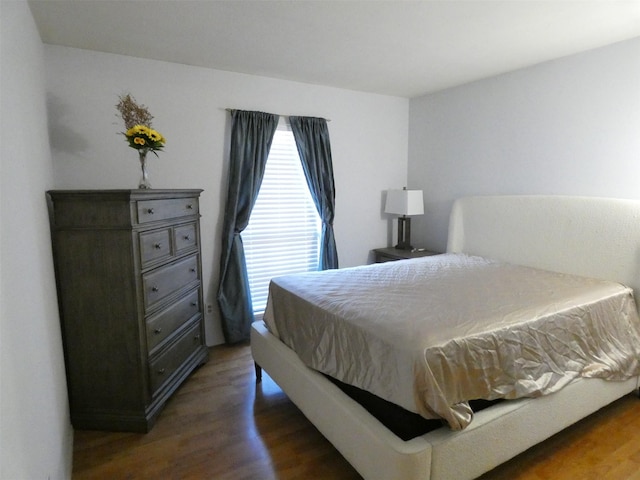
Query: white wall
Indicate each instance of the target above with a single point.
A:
(369, 138)
(35, 432)
(567, 127)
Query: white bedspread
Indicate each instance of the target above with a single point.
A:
(433, 333)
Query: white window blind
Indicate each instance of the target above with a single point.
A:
(284, 229)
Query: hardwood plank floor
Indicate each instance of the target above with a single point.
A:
(221, 425)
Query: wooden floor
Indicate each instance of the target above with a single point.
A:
(221, 425)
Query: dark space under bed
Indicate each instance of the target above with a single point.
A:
(404, 424)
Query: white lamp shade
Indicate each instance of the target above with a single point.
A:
(404, 202)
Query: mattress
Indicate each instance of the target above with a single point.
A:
(431, 334)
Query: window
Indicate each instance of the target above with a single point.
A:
(283, 235)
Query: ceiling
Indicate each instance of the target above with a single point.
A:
(400, 48)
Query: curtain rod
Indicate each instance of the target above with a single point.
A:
(230, 110)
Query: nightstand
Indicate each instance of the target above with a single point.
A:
(392, 254)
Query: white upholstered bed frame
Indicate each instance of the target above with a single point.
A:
(594, 237)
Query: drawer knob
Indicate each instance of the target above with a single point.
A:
(192, 270)
(150, 211)
(158, 246)
(189, 206)
(155, 289)
(187, 237)
(158, 331)
(194, 304)
(161, 371)
(197, 338)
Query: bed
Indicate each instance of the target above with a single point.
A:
(590, 237)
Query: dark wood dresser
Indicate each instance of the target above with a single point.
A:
(129, 281)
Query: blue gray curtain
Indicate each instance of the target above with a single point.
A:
(312, 139)
(251, 137)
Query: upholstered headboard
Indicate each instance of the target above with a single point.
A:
(596, 237)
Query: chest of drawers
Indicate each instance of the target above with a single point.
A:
(129, 282)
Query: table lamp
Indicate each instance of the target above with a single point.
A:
(404, 202)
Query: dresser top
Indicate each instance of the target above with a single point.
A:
(71, 209)
(133, 194)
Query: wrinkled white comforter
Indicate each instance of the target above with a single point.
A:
(431, 334)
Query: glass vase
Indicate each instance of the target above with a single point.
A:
(144, 179)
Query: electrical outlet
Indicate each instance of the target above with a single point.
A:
(209, 308)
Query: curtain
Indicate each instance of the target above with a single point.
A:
(312, 140)
(251, 137)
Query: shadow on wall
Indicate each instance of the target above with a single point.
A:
(62, 137)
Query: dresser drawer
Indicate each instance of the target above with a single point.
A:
(162, 325)
(162, 209)
(185, 237)
(164, 281)
(166, 364)
(155, 245)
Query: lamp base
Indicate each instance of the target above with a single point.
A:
(404, 233)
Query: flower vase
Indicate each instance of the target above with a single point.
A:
(144, 179)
